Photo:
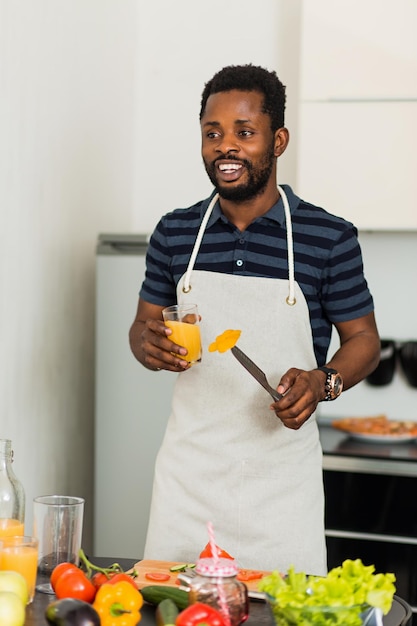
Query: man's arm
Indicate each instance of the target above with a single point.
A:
(357, 357)
(359, 350)
(149, 340)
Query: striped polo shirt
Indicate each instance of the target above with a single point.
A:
(327, 258)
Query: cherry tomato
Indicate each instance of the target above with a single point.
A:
(207, 553)
(99, 579)
(60, 569)
(249, 574)
(157, 576)
(116, 578)
(75, 585)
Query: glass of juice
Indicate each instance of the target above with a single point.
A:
(20, 554)
(184, 321)
(11, 527)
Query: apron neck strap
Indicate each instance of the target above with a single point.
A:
(187, 278)
(290, 247)
(291, 295)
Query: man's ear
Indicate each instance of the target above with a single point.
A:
(282, 137)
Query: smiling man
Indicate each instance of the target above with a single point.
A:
(257, 258)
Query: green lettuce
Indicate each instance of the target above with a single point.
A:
(342, 597)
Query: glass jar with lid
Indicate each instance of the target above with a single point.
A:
(215, 584)
(12, 495)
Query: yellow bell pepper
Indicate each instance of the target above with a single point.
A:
(118, 604)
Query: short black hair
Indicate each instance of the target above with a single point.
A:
(250, 78)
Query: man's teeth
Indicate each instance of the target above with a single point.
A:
(229, 167)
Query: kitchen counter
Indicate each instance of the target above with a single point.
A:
(259, 615)
(343, 453)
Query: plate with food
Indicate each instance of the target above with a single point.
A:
(377, 429)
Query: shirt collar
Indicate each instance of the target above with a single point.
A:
(276, 213)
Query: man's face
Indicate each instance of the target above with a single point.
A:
(237, 144)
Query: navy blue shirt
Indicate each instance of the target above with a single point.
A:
(327, 258)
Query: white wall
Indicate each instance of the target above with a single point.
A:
(66, 111)
(184, 45)
(99, 133)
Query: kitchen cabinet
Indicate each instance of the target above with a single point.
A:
(358, 50)
(357, 160)
(357, 114)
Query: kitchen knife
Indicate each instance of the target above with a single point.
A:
(256, 372)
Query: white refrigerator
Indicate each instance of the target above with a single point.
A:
(131, 404)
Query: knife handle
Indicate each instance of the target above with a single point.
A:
(274, 393)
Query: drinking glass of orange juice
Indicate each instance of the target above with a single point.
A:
(184, 321)
(20, 554)
(11, 527)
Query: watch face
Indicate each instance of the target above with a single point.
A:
(333, 385)
(337, 385)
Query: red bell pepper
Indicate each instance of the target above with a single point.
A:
(200, 614)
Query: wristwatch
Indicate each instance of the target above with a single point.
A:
(333, 385)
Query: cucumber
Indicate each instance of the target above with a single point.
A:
(154, 594)
(166, 613)
(182, 567)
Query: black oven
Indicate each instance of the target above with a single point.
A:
(371, 507)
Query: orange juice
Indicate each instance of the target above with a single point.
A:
(188, 336)
(20, 554)
(11, 527)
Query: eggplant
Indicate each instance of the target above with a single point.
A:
(71, 612)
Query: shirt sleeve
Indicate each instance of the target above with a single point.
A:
(345, 292)
(158, 286)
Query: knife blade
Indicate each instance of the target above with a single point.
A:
(256, 372)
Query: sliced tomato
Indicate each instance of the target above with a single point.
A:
(249, 574)
(157, 576)
(207, 553)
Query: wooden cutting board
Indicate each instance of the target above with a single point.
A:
(163, 567)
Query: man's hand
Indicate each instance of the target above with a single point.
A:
(150, 342)
(302, 391)
(357, 357)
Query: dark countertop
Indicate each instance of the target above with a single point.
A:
(259, 613)
(341, 452)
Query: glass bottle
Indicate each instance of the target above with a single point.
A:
(216, 584)
(12, 495)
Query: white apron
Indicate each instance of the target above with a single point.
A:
(226, 457)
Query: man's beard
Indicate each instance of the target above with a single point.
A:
(257, 178)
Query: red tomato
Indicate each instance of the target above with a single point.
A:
(75, 585)
(116, 578)
(207, 553)
(249, 574)
(99, 579)
(157, 576)
(59, 570)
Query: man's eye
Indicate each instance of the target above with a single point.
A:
(246, 133)
(212, 135)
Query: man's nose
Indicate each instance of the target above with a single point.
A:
(228, 143)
